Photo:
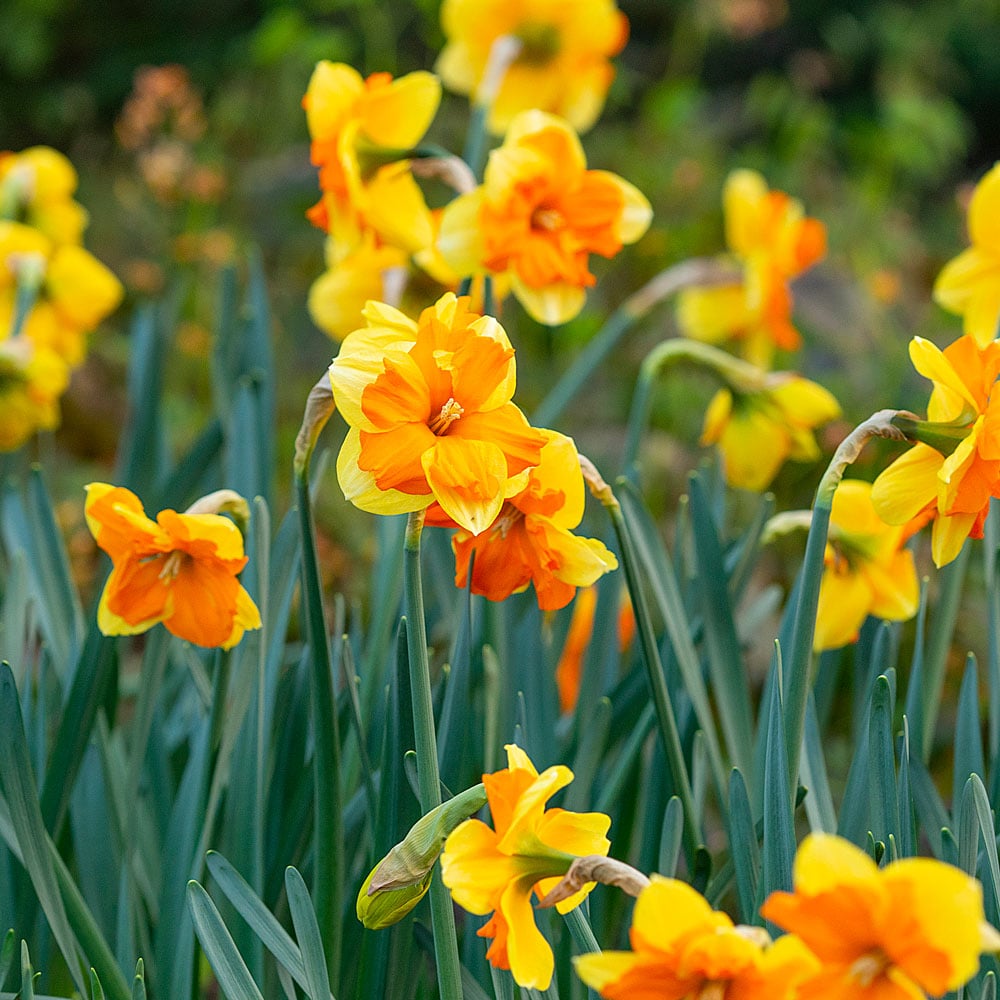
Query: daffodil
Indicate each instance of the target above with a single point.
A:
(539, 215)
(180, 569)
(915, 927)
(31, 381)
(954, 469)
(970, 283)
(682, 949)
(768, 419)
(36, 188)
(528, 849)
(562, 63)
(361, 130)
(867, 569)
(430, 414)
(532, 541)
(773, 241)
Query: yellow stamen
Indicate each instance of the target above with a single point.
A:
(450, 412)
(172, 565)
(549, 219)
(871, 965)
(714, 989)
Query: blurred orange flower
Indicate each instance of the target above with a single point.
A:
(562, 63)
(774, 241)
(36, 187)
(682, 949)
(430, 414)
(180, 569)
(970, 283)
(531, 540)
(359, 129)
(529, 849)
(914, 928)
(952, 478)
(539, 215)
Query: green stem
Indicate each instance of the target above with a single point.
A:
(428, 777)
(328, 888)
(474, 152)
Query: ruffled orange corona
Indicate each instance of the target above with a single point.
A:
(539, 215)
(953, 480)
(774, 241)
(970, 284)
(529, 849)
(430, 414)
(914, 928)
(562, 64)
(683, 949)
(180, 569)
(532, 540)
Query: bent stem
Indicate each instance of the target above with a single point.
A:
(428, 776)
(799, 660)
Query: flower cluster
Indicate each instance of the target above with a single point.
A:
(914, 928)
(52, 291)
(433, 427)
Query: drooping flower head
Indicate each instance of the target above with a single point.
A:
(528, 849)
(562, 65)
(180, 569)
(532, 541)
(952, 478)
(970, 283)
(359, 129)
(914, 928)
(539, 215)
(430, 414)
(767, 419)
(683, 949)
(31, 381)
(773, 241)
(36, 188)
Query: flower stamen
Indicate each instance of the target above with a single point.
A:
(172, 565)
(869, 967)
(450, 412)
(549, 219)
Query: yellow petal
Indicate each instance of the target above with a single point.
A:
(930, 361)
(824, 862)
(360, 488)
(528, 122)
(395, 208)
(518, 760)
(531, 961)
(896, 589)
(753, 448)
(602, 968)
(844, 602)
(473, 869)
(552, 305)
(742, 197)
(398, 115)
(637, 213)
(907, 486)
(984, 212)
(713, 314)
(81, 288)
(467, 478)
(333, 91)
(460, 237)
(948, 536)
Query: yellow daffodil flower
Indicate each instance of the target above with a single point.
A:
(31, 381)
(180, 569)
(528, 849)
(430, 414)
(683, 949)
(359, 129)
(867, 571)
(36, 188)
(914, 928)
(562, 64)
(761, 424)
(952, 477)
(970, 283)
(532, 540)
(773, 241)
(538, 216)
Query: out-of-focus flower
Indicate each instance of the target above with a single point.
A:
(529, 849)
(36, 188)
(774, 241)
(532, 541)
(180, 569)
(914, 928)
(360, 130)
(766, 420)
(562, 65)
(430, 414)
(31, 381)
(682, 948)
(72, 290)
(970, 283)
(569, 669)
(539, 215)
(954, 469)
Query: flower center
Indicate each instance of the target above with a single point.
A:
(539, 43)
(509, 516)
(714, 989)
(450, 412)
(549, 219)
(871, 965)
(172, 565)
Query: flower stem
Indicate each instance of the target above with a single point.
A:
(428, 777)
